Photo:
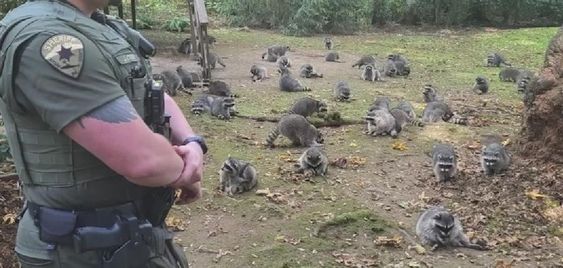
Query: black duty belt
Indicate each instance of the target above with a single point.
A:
(89, 229)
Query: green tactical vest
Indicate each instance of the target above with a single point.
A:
(55, 171)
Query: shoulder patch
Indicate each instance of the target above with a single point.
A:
(65, 53)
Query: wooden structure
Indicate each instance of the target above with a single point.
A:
(199, 38)
(119, 5)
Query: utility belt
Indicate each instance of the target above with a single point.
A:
(117, 232)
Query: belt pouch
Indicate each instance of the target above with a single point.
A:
(55, 226)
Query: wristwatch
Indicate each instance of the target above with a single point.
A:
(197, 139)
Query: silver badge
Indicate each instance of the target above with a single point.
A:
(65, 52)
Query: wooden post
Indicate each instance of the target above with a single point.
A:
(133, 13)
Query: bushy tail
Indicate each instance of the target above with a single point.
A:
(416, 122)
(459, 120)
(220, 61)
(272, 136)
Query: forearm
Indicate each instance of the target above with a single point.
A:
(181, 129)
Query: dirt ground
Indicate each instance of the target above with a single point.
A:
(510, 213)
(354, 216)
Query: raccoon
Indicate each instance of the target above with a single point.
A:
(332, 57)
(269, 57)
(444, 162)
(187, 77)
(237, 176)
(297, 129)
(365, 60)
(313, 162)
(185, 47)
(496, 59)
(342, 91)
(328, 43)
(278, 50)
(407, 108)
(223, 107)
(283, 62)
(429, 93)
(494, 159)
(307, 71)
(307, 106)
(213, 59)
(220, 88)
(436, 111)
(522, 84)
(437, 227)
(481, 85)
(380, 122)
(290, 84)
(171, 82)
(380, 103)
(202, 104)
(390, 69)
(370, 73)
(402, 119)
(513, 75)
(401, 64)
(258, 73)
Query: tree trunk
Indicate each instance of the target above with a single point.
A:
(543, 119)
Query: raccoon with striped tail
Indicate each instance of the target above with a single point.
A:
(437, 227)
(237, 176)
(297, 129)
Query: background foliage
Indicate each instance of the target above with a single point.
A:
(306, 17)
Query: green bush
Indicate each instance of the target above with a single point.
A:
(7, 5)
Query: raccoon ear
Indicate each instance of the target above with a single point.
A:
(437, 217)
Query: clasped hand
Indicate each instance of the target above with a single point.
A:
(190, 179)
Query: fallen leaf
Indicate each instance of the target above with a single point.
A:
(506, 142)
(399, 146)
(9, 219)
(419, 249)
(389, 242)
(535, 194)
(503, 264)
(176, 225)
(263, 192)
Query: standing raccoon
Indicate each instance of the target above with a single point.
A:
(328, 42)
(494, 159)
(187, 77)
(185, 47)
(444, 162)
(213, 59)
(283, 62)
(269, 57)
(481, 85)
(370, 73)
(237, 176)
(220, 88)
(429, 93)
(401, 120)
(342, 91)
(523, 83)
(290, 84)
(496, 59)
(365, 60)
(297, 129)
(407, 108)
(307, 71)
(223, 107)
(380, 122)
(436, 227)
(313, 162)
(171, 82)
(258, 73)
(513, 74)
(332, 57)
(307, 106)
(278, 50)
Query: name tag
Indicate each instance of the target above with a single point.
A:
(127, 58)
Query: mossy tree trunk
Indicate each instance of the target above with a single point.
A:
(543, 117)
